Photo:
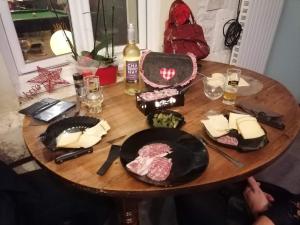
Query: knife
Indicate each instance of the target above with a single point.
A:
(224, 154)
(72, 155)
(113, 154)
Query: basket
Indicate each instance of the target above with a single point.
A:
(162, 70)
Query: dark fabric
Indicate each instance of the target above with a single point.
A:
(38, 198)
(7, 210)
(284, 212)
(205, 208)
(227, 206)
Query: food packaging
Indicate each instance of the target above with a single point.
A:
(159, 100)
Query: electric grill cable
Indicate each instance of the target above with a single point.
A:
(234, 30)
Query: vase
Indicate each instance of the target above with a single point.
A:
(107, 75)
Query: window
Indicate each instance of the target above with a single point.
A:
(35, 23)
(21, 38)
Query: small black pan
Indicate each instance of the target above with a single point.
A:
(71, 124)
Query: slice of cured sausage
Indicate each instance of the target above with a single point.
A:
(140, 165)
(160, 169)
(154, 150)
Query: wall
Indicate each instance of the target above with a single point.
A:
(8, 96)
(283, 64)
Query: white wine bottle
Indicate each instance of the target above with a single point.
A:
(131, 56)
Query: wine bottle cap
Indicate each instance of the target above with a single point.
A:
(131, 33)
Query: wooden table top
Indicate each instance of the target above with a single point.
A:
(125, 119)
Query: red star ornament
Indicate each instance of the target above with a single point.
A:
(49, 78)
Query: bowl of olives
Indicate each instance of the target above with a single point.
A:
(165, 118)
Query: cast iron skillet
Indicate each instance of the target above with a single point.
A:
(72, 123)
(244, 145)
(189, 156)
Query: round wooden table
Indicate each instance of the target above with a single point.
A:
(125, 119)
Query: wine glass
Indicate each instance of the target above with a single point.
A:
(213, 87)
(94, 96)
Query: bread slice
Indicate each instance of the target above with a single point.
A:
(249, 128)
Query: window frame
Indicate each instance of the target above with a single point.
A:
(83, 34)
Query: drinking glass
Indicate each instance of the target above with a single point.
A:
(94, 96)
(231, 86)
(213, 87)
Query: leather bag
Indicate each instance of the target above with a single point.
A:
(183, 35)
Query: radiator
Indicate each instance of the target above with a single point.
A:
(259, 19)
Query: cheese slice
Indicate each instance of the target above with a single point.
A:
(218, 76)
(243, 82)
(89, 137)
(233, 117)
(66, 138)
(219, 122)
(210, 126)
(95, 130)
(87, 140)
(105, 125)
(249, 128)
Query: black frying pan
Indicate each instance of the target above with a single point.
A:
(189, 156)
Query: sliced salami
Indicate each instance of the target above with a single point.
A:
(228, 140)
(154, 150)
(140, 165)
(160, 169)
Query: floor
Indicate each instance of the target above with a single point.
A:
(285, 172)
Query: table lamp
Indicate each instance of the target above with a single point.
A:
(59, 44)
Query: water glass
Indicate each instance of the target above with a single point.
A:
(94, 96)
(231, 86)
(213, 87)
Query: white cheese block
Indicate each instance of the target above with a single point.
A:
(105, 125)
(218, 75)
(211, 128)
(243, 82)
(95, 130)
(66, 138)
(233, 117)
(219, 122)
(87, 140)
(249, 128)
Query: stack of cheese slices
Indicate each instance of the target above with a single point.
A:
(246, 125)
(82, 139)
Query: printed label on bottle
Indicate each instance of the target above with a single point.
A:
(132, 71)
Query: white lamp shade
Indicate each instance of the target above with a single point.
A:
(59, 44)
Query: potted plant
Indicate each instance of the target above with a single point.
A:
(91, 62)
(106, 70)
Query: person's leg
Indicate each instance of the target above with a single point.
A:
(203, 208)
(285, 210)
(59, 202)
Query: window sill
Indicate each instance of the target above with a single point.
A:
(59, 93)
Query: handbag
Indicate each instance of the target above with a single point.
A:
(183, 35)
(161, 70)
